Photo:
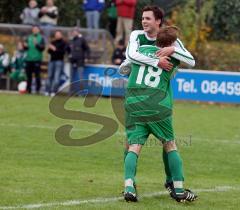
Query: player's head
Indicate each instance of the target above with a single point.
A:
(167, 36)
(152, 18)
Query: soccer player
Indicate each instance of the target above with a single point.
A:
(148, 106)
(152, 20)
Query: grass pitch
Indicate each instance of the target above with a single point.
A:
(36, 169)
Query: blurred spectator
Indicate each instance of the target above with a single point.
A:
(126, 12)
(112, 17)
(48, 17)
(34, 46)
(78, 49)
(30, 14)
(49, 14)
(57, 49)
(18, 63)
(4, 60)
(119, 53)
(93, 10)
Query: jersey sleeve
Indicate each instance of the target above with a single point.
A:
(182, 54)
(135, 56)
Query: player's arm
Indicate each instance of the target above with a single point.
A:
(179, 52)
(182, 54)
(135, 56)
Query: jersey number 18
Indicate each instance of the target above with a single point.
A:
(152, 78)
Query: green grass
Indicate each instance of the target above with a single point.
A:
(35, 168)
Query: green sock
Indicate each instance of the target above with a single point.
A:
(176, 169)
(125, 154)
(166, 166)
(130, 168)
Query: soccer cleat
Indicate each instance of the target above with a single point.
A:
(169, 186)
(130, 197)
(130, 194)
(187, 195)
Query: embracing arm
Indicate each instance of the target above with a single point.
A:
(182, 54)
(177, 51)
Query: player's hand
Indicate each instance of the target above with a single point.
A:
(164, 63)
(166, 51)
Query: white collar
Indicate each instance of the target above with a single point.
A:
(149, 38)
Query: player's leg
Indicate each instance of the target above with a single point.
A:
(130, 166)
(169, 182)
(137, 136)
(125, 150)
(163, 130)
(176, 169)
(173, 163)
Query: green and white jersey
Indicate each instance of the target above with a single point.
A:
(143, 76)
(139, 38)
(149, 91)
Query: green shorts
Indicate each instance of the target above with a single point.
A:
(137, 133)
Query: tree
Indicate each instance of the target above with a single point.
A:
(225, 20)
(191, 19)
(10, 10)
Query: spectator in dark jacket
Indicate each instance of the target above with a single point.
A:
(34, 45)
(57, 49)
(93, 10)
(78, 49)
(119, 53)
(126, 12)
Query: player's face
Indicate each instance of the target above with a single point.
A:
(149, 23)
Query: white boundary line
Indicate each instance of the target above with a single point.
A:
(110, 200)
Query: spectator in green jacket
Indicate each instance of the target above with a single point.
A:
(34, 46)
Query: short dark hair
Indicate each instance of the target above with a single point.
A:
(167, 36)
(157, 12)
